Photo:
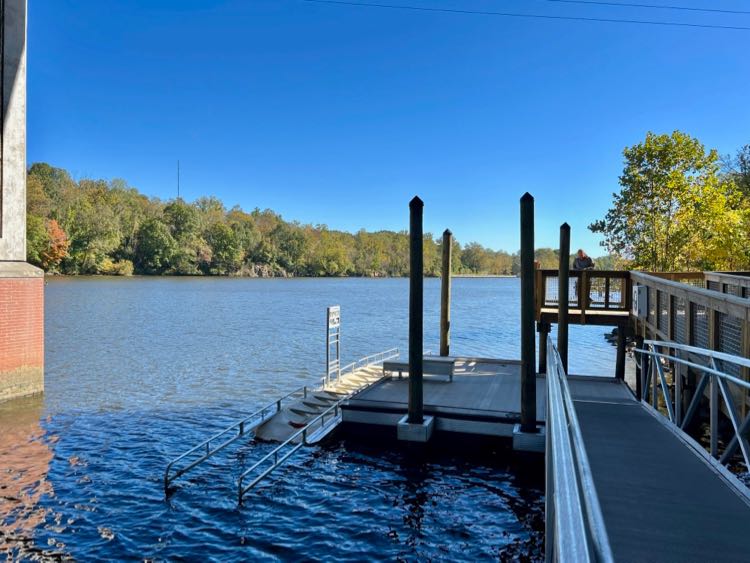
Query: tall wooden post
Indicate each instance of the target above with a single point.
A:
(416, 279)
(563, 290)
(528, 340)
(445, 295)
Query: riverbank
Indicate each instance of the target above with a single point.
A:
(266, 274)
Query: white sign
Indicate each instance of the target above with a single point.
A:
(334, 316)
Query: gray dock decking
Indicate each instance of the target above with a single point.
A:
(661, 499)
(483, 398)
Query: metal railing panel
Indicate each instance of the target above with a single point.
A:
(579, 533)
(713, 377)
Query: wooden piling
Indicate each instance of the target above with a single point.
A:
(416, 298)
(445, 295)
(528, 340)
(563, 289)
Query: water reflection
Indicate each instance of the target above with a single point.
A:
(26, 457)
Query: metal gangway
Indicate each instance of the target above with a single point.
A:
(334, 383)
(625, 482)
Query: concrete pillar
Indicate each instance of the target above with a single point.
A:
(21, 285)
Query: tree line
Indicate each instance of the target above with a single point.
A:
(108, 227)
(680, 207)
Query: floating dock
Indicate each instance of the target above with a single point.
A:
(483, 399)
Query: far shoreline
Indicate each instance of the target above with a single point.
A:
(54, 275)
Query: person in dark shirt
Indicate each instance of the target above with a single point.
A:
(583, 261)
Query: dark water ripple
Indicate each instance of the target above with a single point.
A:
(140, 369)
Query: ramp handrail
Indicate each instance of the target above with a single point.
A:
(653, 378)
(278, 457)
(241, 428)
(575, 530)
(298, 439)
(364, 362)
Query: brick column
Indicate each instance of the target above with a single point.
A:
(21, 285)
(21, 330)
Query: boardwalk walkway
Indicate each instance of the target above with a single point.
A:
(662, 500)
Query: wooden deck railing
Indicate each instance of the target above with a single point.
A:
(692, 315)
(734, 283)
(590, 290)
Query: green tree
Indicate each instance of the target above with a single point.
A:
(289, 244)
(737, 167)
(226, 250)
(155, 248)
(668, 186)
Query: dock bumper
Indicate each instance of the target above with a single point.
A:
(528, 441)
(412, 432)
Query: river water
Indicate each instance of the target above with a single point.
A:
(140, 369)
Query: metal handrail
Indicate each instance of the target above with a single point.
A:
(240, 427)
(364, 362)
(274, 454)
(718, 388)
(262, 415)
(579, 532)
(372, 359)
(715, 354)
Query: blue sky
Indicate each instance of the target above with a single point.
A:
(340, 114)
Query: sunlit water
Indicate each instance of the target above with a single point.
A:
(138, 370)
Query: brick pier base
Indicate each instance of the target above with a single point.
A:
(21, 330)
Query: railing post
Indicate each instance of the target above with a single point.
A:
(678, 389)
(563, 288)
(445, 295)
(416, 344)
(528, 356)
(654, 381)
(607, 285)
(690, 382)
(713, 395)
(540, 292)
(620, 358)
(543, 328)
(745, 372)
(585, 294)
(639, 370)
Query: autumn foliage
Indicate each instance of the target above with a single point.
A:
(57, 245)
